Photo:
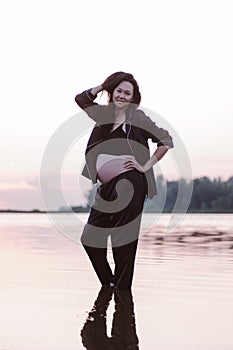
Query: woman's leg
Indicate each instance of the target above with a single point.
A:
(124, 258)
(100, 264)
(124, 235)
(95, 236)
(97, 252)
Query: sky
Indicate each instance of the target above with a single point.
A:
(180, 52)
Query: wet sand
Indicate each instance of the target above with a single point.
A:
(182, 295)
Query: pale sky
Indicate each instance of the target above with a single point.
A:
(180, 52)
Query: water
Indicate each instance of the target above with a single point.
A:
(182, 295)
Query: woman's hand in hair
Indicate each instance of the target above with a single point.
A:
(96, 90)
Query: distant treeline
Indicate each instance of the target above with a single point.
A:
(213, 195)
(207, 196)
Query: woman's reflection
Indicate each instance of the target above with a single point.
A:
(123, 334)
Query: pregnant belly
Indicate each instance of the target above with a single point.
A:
(109, 166)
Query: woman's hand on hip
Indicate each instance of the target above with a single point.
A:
(131, 163)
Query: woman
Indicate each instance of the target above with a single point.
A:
(118, 156)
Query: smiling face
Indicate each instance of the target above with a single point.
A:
(123, 95)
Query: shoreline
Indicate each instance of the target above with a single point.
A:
(15, 211)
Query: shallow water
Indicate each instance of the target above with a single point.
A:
(182, 294)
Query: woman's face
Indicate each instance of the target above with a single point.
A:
(123, 95)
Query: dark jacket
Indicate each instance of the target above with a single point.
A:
(139, 128)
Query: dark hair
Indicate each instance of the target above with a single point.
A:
(115, 79)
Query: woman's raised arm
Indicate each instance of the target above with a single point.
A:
(85, 100)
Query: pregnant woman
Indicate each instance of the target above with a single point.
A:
(118, 156)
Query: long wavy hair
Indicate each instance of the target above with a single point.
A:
(115, 79)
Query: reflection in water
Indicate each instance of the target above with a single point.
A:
(123, 334)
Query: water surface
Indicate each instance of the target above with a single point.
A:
(182, 295)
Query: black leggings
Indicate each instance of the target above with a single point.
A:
(121, 225)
